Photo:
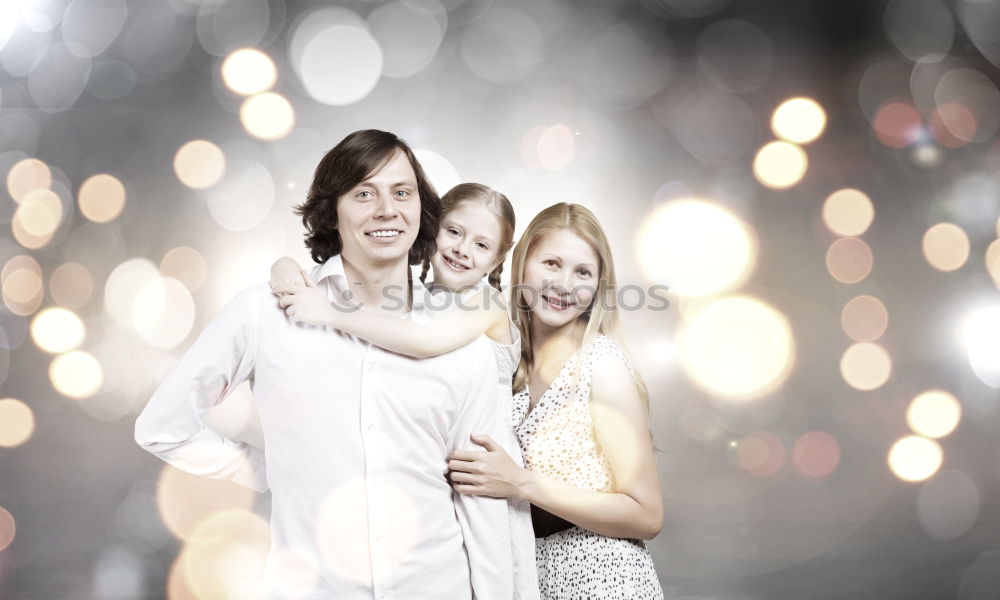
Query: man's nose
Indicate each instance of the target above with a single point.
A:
(385, 208)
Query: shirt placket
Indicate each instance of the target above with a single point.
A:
(374, 477)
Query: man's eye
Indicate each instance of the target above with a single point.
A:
(364, 194)
(403, 193)
(483, 246)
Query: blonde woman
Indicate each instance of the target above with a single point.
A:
(580, 415)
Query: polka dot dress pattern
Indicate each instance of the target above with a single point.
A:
(557, 439)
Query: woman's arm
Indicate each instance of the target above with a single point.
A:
(463, 323)
(634, 509)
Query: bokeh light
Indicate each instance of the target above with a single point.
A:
(980, 336)
(897, 124)
(226, 550)
(163, 312)
(920, 28)
(8, 529)
(76, 374)
(934, 414)
(37, 218)
(17, 423)
(243, 199)
(848, 212)
(249, 71)
(700, 424)
(915, 458)
(185, 500)
(57, 330)
(505, 45)
(761, 454)
(966, 101)
(338, 539)
(926, 155)
(799, 120)
(945, 246)
(186, 265)
(953, 125)
(199, 164)
(224, 26)
(89, 28)
(339, 63)
(409, 35)
(864, 318)
(849, 260)
(816, 454)
(556, 146)
(27, 176)
(695, 247)
(71, 285)
(738, 348)
(124, 284)
(865, 366)
(780, 165)
(948, 505)
(598, 66)
(734, 55)
(102, 198)
(439, 170)
(294, 573)
(22, 282)
(267, 116)
(992, 260)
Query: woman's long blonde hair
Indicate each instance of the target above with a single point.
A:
(601, 316)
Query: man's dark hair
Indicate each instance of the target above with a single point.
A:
(352, 160)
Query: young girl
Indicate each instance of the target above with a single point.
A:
(476, 232)
(581, 418)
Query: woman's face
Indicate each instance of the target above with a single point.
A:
(467, 246)
(560, 278)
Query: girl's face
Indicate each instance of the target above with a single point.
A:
(560, 278)
(466, 246)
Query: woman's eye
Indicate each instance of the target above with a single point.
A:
(403, 193)
(364, 194)
(453, 231)
(584, 273)
(483, 246)
(549, 262)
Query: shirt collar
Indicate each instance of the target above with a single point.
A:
(333, 268)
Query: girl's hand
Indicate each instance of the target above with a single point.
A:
(492, 473)
(285, 272)
(306, 304)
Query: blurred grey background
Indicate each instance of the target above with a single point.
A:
(818, 183)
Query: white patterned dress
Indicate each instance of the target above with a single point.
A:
(525, 574)
(557, 439)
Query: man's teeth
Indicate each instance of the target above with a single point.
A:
(392, 233)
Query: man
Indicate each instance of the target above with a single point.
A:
(356, 437)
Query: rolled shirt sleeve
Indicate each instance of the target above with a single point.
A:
(484, 521)
(171, 426)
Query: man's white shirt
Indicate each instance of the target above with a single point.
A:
(356, 442)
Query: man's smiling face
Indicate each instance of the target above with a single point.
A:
(379, 218)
